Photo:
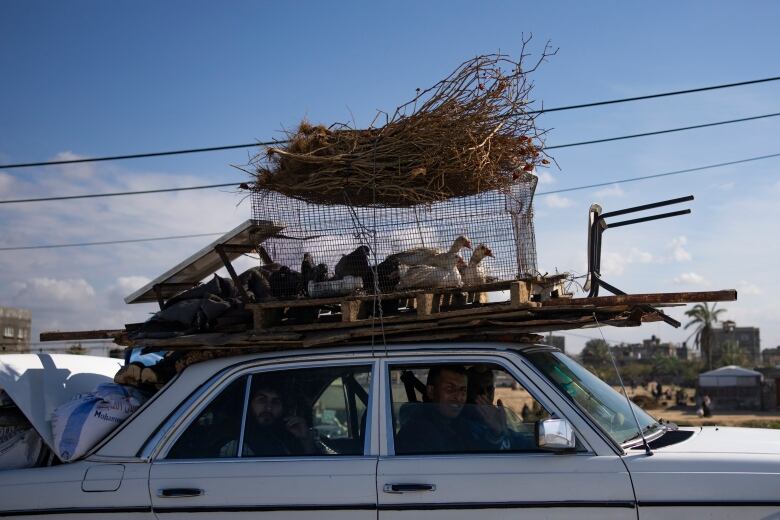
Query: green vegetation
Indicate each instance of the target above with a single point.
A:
(703, 317)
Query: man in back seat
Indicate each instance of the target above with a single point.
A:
(437, 426)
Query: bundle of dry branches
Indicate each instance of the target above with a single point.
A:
(469, 133)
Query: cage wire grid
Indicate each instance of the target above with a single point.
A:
(333, 235)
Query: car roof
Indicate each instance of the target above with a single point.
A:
(377, 350)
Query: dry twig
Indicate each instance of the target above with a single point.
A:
(469, 133)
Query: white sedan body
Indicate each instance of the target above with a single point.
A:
(141, 470)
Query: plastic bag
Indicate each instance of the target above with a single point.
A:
(80, 424)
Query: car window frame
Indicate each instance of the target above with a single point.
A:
(607, 439)
(159, 444)
(495, 358)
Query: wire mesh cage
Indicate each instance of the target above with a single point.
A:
(325, 250)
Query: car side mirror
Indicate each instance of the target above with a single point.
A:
(555, 434)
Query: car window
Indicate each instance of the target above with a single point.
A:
(302, 412)
(216, 426)
(452, 408)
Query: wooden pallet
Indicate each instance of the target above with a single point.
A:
(422, 304)
(507, 321)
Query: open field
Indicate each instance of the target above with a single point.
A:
(667, 409)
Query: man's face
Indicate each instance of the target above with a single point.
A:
(267, 407)
(449, 392)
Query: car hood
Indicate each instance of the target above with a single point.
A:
(721, 439)
(39, 383)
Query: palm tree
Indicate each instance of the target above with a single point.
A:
(703, 317)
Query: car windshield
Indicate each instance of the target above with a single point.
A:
(599, 400)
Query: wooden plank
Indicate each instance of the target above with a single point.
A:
(647, 299)
(519, 294)
(80, 334)
(349, 311)
(313, 302)
(424, 304)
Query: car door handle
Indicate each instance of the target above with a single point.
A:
(408, 488)
(179, 492)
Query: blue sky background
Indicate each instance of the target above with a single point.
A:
(102, 78)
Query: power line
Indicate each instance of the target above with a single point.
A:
(139, 155)
(120, 193)
(657, 175)
(653, 96)
(238, 185)
(598, 185)
(235, 146)
(109, 242)
(669, 131)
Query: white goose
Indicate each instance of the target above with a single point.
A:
(432, 277)
(432, 256)
(475, 273)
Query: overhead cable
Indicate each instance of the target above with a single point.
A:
(110, 242)
(657, 175)
(239, 185)
(653, 96)
(563, 190)
(659, 132)
(269, 143)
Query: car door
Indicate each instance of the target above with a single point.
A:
(83, 489)
(238, 453)
(498, 475)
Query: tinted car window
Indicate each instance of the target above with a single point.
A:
(302, 412)
(217, 426)
(449, 408)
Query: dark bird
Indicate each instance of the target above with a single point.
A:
(307, 271)
(388, 274)
(355, 264)
(285, 283)
(320, 273)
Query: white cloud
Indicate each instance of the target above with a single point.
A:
(6, 182)
(615, 263)
(679, 253)
(611, 191)
(124, 286)
(691, 278)
(79, 171)
(750, 289)
(46, 291)
(545, 177)
(557, 201)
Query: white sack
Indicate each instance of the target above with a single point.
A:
(39, 383)
(80, 424)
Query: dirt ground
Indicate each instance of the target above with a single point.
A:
(667, 409)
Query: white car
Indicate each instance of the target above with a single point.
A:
(405, 431)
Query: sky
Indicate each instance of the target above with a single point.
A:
(89, 78)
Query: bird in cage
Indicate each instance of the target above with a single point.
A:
(355, 264)
(434, 257)
(475, 272)
(432, 277)
(312, 273)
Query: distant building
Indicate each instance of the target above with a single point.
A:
(686, 353)
(555, 341)
(747, 338)
(648, 349)
(15, 329)
(771, 356)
